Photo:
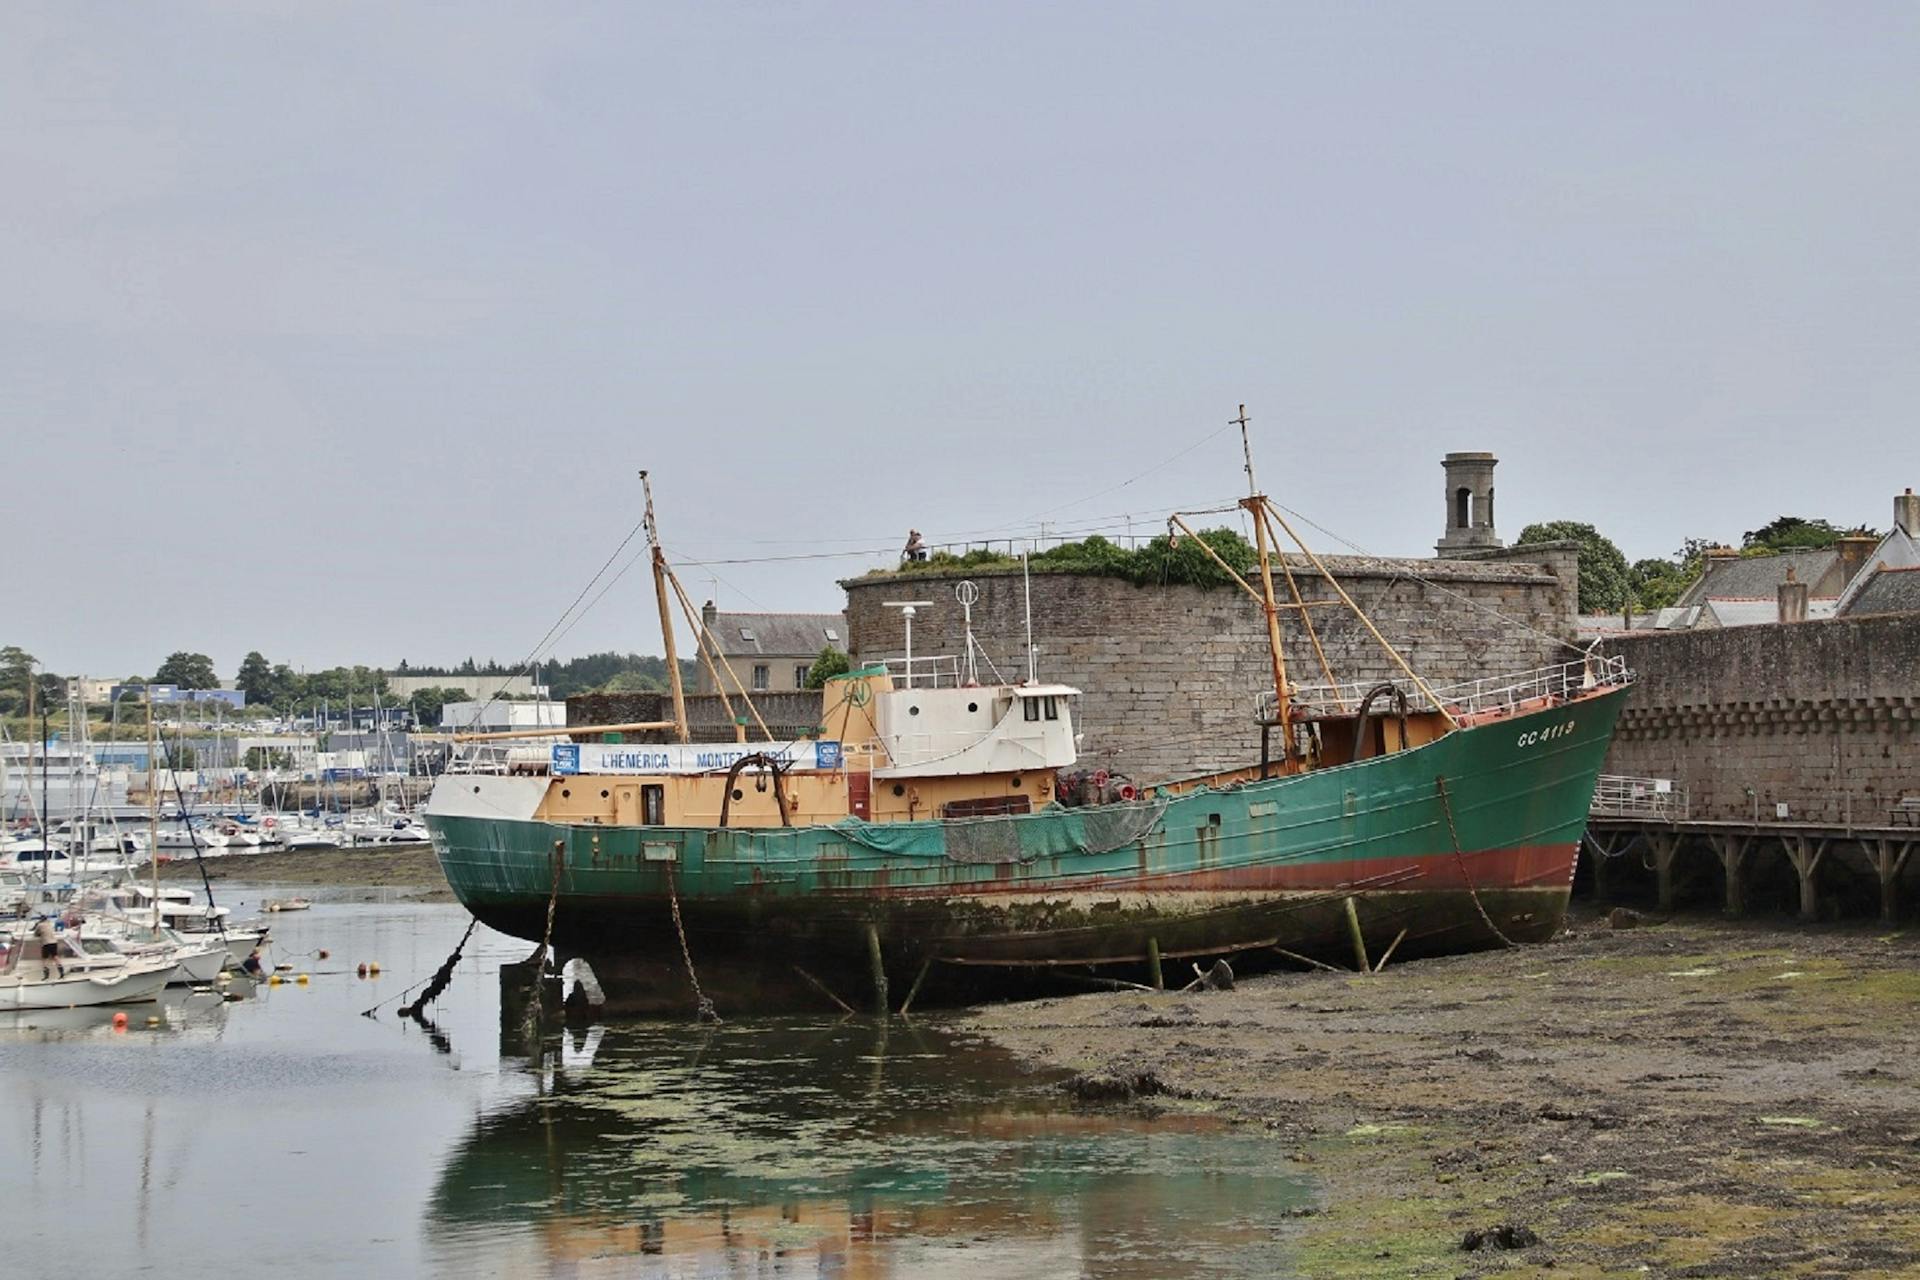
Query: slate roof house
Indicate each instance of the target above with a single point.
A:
(770, 652)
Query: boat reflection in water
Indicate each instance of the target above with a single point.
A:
(850, 1149)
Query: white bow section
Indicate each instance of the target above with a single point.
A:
(953, 732)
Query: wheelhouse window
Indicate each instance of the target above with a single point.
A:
(1052, 707)
(653, 804)
(1030, 707)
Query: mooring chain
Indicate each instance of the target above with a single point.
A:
(703, 1007)
(1446, 807)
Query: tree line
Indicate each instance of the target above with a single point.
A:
(1609, 584)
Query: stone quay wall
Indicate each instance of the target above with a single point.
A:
(1171, 674)
(1823, 717)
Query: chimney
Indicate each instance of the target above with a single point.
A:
(1722, 553)
(1854, 550)
(1906, 513)
(1793, 599)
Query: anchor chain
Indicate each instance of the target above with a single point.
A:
(703, 1007)
(1446, 806)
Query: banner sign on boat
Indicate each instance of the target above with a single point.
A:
(628, 757)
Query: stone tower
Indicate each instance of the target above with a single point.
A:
(1469, 504)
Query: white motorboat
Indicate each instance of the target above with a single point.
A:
(87, 971)
(176, 910)
(198, 959)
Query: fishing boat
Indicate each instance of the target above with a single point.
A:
(936, 832)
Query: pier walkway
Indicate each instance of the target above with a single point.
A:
(1651, 817)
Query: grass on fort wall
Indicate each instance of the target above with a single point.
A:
(1160, 562)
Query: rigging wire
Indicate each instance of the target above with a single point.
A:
(1401, 570)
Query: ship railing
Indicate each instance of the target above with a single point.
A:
(1472, 698)
(930, 672)
(1620, 796)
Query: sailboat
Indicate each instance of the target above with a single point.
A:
(933, 831)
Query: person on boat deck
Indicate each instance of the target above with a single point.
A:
(916, 549)
(252, 964)
(49, 947)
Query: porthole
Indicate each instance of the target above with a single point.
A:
(739, 794)
(476, 791)
(1016, 782)
(566, 793)
(913, 711)
(605, 794)
(899, 790)
(973, 706)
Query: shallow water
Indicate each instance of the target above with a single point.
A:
(284, 1134)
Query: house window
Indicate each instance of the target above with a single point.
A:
(760, 677)
(800, 676)
(1031, 706)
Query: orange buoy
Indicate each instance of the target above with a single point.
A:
(119, 1022)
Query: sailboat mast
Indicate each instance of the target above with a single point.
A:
(666, 618)
(153, 808)
(1255, 505)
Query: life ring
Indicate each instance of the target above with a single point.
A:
(270, 823)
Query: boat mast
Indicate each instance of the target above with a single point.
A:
(1255, 504)
(153, 809)
(666, 618)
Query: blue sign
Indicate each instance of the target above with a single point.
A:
(827, 754)
(566, 757)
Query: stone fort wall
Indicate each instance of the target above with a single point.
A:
(1171, 673)
(1823, 717)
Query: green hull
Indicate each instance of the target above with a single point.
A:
(1449, 842)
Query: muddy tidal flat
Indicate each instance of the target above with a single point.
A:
(409, 868)
(1689, 1098)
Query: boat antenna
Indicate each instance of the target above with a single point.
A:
(967, 593)
(666, 618)
(1026, 582)
(907, 609)
(1246, 450)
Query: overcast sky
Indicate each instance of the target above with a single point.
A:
(339, 331)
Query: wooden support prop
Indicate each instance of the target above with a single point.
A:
(1307, 960)
(1153, 964)
(881, 1004)
(914, 990)
(1353, 932)
(823, 989)
(1391, 948)
(1109, 984)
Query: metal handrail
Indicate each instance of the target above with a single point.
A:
(1622, 796)
(1479, 696)
(925, 673)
